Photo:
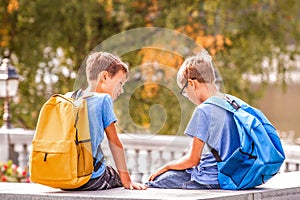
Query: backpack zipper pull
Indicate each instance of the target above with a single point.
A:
(45, 157)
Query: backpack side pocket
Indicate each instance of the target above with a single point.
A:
(85, 159)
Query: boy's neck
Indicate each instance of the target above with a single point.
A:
(212, 90)
(92, 86)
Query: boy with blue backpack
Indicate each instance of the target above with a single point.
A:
(234, 146)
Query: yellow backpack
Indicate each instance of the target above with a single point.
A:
(61, 155)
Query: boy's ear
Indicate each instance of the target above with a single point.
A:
(103, 76)
(191, 83)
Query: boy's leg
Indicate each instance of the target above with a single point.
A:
(172, 179)
(113, 178)
(193, 185)
(109, 179)
(178, 179)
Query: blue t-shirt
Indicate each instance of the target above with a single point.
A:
(101, 115)
(215, 126)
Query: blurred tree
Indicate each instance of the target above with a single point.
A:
(245, 38)
(48, 41)
(241, 35)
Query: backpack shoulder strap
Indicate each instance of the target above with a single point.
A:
(81, 94)
(78, 96)
(215, 153)
(63, 97)
(228, 104)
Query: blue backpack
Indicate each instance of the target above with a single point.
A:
(260, 154)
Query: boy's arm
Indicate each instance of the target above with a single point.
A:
(189, 160)
(117, 151)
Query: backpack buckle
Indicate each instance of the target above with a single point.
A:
(233, 103)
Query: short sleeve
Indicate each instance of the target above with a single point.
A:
(198, 125)
(108, 115)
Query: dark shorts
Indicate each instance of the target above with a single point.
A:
(109, 179)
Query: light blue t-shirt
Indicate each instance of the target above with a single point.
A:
(101, 115)
(215, 126)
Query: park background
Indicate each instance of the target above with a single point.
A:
(254, 44)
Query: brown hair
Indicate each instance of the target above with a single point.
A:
(199, 69)
(103, 61)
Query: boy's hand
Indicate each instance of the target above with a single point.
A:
(135, 186)
(158, 172)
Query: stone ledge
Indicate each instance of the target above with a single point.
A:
(282, 186)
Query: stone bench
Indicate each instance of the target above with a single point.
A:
(282, 186)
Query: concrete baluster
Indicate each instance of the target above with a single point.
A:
(21, 150)
(161, 160)
(135, 174)
(172, 155)
(148, 166)
(297, 167)
(28, 150)
(4, 146)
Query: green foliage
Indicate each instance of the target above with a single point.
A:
(259, 30)
(49, 40)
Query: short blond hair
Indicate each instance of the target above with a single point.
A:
(104, 61)
(197, 67)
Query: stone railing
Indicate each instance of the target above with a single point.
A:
(144, 153)
(15, 144)
(292, 161)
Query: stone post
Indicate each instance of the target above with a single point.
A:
(4, 145)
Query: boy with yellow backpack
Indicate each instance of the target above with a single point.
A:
(106, 75)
